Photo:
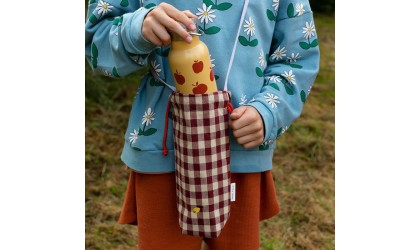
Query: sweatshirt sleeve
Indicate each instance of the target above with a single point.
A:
(114, 45)
(292, 66)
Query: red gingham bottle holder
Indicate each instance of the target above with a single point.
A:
(202, 159)
(202, 155)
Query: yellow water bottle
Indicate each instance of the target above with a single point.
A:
(191, 66)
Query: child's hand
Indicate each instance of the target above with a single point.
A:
(247, 126)
(163, 18)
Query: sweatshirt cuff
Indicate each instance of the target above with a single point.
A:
(137, 42)
(268, 119)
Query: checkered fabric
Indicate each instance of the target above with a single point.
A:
(202, 156)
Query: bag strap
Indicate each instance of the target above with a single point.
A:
(165, 133)
(156, 76)
(236, 42)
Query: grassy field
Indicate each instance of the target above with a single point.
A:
(303, 163)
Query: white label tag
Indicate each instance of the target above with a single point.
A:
(232, 191)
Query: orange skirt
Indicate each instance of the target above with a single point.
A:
(150, 203)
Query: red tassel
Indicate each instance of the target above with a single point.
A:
(230, 107)
(165, 134)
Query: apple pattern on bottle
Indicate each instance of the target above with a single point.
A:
(197, 68)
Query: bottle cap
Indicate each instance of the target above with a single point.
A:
(196, 32)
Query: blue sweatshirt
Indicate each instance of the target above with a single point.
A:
(275, 64)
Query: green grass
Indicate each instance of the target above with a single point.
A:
(303, 163)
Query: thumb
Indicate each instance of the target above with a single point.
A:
(238, 112)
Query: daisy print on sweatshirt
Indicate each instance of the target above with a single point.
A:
(295, 10)
(281, 131)
(153, 81)
(207, 15)
(243, 100)
(103, 8)
(280, 56)
(299, 9)
(272, 81)
(304, 95)
(249, 29)
(264, 146)
(212, 66)
(146, 121)
(156, 67)
(271, 15)
(272, 99)
(262, 60)
(288, 80)
(293, 57)
(292, 61)
(309, 32)
(133, 136)
(216, 5)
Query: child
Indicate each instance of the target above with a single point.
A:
(276, 60)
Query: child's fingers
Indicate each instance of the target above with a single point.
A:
(150, 35)
(257, 137)
(175, 27)
(238, 112)
(162, 34)
(163, 18)
(247, 126)
(178, 16)
(253, 128)
(189, 14)
(154, 39)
